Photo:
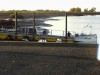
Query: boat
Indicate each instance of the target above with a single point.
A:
(86, 38)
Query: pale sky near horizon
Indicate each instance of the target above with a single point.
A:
(48, 4)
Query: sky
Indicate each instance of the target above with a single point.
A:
(48, 4)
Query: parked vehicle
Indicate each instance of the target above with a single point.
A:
(29, 30)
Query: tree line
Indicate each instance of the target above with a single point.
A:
(77, 10)
(42, 13)
(38, 13)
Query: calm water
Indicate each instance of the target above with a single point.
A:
(77, 24)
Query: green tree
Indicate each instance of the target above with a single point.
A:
(86, 10)
(78, 9)
(75, 10)
(92, 9)
(72, 10)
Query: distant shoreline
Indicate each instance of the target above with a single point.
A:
(43, 16)
(38, 22)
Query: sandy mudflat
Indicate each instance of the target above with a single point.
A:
(46, 60)
(35, 64)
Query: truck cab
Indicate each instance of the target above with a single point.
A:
(29, 30)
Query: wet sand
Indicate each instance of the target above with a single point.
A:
(48, 60)
(34, 64)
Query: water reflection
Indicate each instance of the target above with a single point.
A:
(75, 24)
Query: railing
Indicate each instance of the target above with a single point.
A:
(57, 32)
(52, 33)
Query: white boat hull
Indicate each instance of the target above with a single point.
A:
(86, 39)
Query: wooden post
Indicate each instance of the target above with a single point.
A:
(51, 32)
(66, 25)
(15, 23)
(34, 31)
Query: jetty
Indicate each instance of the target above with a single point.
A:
(19, 56)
